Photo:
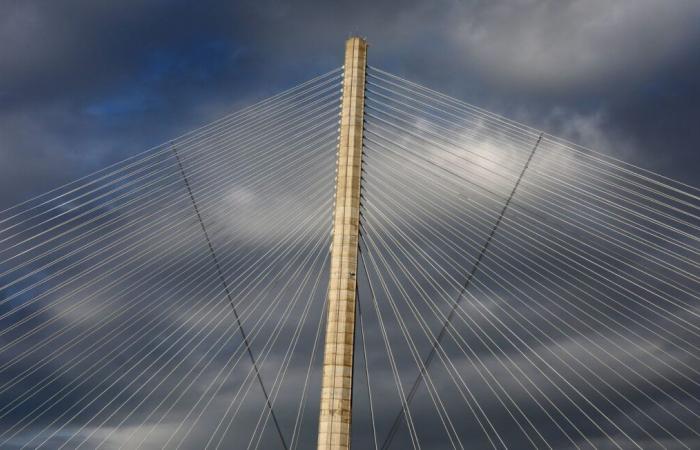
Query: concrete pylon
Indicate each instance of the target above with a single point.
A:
(336, 385)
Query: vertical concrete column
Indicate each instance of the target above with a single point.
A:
(336, 385)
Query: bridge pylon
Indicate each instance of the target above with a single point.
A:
(336, 385)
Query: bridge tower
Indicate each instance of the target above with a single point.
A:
(336, 385)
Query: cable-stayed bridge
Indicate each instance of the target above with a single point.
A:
(358, 248)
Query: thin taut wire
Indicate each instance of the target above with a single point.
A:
(431, 355)
(228, 295)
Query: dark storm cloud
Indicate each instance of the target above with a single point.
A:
(110, 43)
(103, 79)
(85, 83)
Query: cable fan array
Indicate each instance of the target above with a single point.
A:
(142, 305)
(515, 290)
(528, 293)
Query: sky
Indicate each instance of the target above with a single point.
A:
(84, 84)
(87, 83)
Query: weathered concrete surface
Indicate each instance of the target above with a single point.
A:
(336, 387)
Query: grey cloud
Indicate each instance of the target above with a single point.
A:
(620, 78)
(572, 44)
